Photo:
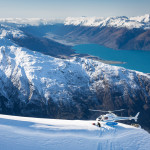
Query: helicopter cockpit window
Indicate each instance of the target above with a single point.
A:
(99, 118)
(105, 118)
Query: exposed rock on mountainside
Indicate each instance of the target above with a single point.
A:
(45, 46)
(116, 38)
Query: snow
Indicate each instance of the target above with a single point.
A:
(8, 31)
(50, 77)
(114, 21)
(121, 21)
(59, 79)
(30, 21)
(37, 133)
(145, 18)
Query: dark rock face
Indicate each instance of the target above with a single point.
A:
(44, 45)
(109, 98)
(116, 38)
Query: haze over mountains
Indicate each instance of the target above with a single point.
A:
(121, 33)
(117, 21)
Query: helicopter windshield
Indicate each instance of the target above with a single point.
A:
(106, 118)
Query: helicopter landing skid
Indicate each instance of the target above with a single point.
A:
(111, 124)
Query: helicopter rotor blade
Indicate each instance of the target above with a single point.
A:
(97, 110)
(109, 111)
(119, 110)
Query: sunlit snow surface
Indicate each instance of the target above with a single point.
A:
(119, 21)
(23, 133)
(113, 21)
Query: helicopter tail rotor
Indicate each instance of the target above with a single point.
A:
(136, 117)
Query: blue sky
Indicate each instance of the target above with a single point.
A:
(75, 8)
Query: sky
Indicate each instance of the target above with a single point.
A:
(72, 8)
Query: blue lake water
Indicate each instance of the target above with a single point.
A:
(135, 59)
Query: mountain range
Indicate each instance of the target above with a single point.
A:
(121, 33)
(43, 78)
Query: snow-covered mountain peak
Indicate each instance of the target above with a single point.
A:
(30, 21)
(86, 21)
(10, 32)
(117, 21)
(114, 21)
(145, 18)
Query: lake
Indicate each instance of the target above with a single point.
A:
(135, 59)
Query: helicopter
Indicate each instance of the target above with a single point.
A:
(110, 117)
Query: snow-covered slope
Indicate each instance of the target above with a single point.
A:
(55, 78)
(122, 21)
(7, 31)
(22, 133)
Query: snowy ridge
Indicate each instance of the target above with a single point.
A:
(23, 132)
(33, 74)
(122, 21)
(117, 21)
(7, 31)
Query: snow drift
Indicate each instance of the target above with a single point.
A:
(35, 134)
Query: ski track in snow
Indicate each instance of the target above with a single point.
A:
(25, 133)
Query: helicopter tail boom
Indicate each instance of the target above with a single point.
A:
(128, 118)
(136, 116)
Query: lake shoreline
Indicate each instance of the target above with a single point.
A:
(98, 59)
(129, 59)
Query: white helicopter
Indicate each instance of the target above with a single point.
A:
(110, 117)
